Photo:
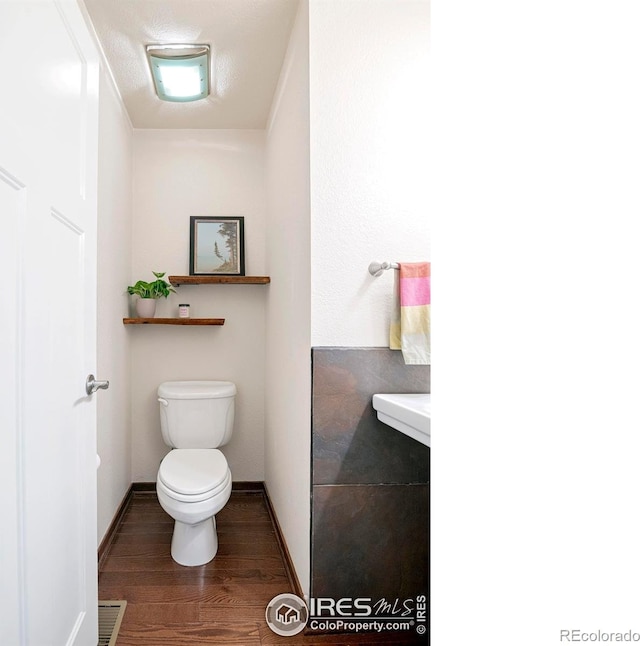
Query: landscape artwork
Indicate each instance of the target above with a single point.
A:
(217, 246)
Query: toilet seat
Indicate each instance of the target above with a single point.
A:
(193, 475)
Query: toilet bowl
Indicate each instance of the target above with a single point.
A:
(194, 480)
(193, 486)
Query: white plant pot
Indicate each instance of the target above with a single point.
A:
(146, 308)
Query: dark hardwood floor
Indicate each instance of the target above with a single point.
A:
(222, 602)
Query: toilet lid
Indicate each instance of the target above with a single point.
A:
(193, 471)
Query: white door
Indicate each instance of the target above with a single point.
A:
(48, 165)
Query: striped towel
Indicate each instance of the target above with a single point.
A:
(410, 329)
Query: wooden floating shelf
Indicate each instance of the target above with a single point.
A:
(157, 321)
(219, 280)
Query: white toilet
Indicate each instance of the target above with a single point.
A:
(194, 481)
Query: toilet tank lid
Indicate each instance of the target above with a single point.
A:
(196, 389)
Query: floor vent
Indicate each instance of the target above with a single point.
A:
(110, 615)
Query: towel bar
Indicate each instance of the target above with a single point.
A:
(377, 268)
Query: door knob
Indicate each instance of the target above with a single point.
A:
(92, 385)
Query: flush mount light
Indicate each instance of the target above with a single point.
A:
(180, 72)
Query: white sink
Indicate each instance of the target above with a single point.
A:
(408, 413)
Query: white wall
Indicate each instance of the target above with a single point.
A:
(346, 185)
(114, 270)
(369, 119)
(288, 374)
(177, 174)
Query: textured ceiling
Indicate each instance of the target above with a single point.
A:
(248, 40)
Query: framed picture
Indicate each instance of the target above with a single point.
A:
(216, 246)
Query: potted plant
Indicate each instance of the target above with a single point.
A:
(149, 293)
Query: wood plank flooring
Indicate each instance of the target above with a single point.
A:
(222, 602)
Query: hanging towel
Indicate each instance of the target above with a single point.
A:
(410, 329)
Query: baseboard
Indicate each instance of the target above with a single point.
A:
(294, 582)
(143, 487)
(106, 541)
(249, 486)
(149, 488)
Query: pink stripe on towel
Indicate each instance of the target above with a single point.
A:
(415, 283)
(415, 291)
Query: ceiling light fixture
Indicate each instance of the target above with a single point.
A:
(180, 72)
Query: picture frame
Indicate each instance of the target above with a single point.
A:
(216, 246)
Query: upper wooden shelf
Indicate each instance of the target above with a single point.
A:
(219, 280)
(183, 321)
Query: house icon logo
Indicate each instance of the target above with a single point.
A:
(287, 614)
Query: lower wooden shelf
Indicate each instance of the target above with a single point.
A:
(158, 321)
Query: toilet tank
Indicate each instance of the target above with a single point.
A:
(196, 414)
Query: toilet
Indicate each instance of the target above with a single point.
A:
(194, 480)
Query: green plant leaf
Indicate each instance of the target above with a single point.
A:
(157, 289)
